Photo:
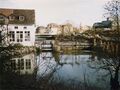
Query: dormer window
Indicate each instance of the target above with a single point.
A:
(2, 18)
(11, 18)
(16, 27)
(21, 18)
(25, 27)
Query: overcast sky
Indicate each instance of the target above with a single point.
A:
(85, 12)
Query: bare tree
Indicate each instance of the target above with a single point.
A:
(112, 9)
(4, 32)
(111, 65)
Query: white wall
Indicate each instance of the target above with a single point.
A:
(30, 28)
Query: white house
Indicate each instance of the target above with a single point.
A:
(21, 25)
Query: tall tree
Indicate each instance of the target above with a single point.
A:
(3, 32)
(113, 10)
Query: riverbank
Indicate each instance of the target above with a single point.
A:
(16, 50)
(68, 46)
(58, 71)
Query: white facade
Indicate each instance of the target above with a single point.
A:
(23, 34)
(19, 24)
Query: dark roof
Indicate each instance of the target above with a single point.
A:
(97, 25)
(103, 24)
(29, 15)
(107, 23)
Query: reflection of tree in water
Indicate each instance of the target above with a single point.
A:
(110, 64)
(51, 78)
(11, 77)
(46, 63)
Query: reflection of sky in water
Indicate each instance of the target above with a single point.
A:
(71, 68)
(46, 64)
(67, 69)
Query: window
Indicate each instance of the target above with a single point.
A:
(21, 18)
(13, 64)
(27, 35)
(12, 36)
(28, 64)
(25, 27)
(0, 37)
(16, 27)
(1, 18)
(11, 18)
(19, 35)
(20, 64)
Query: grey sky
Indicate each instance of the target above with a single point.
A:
(85, 12)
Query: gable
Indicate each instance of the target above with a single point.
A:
(21, 16)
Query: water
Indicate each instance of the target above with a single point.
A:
(85, 70)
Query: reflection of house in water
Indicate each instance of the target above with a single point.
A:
(24, 65)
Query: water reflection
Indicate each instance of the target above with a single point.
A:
(110, 64)
(69, 69)
(24, 65)
(18, 72)
(46, 63)
(61, 71)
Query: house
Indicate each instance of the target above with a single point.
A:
(21, 25)
(106, 25)
(46, 35)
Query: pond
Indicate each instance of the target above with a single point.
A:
(83, 70)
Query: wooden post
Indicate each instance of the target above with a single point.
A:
(108, 46)
(103, 46)
(116, 49)
(113, 48)
(94, 42)
(101, 43)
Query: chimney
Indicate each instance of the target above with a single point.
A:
(108, 19)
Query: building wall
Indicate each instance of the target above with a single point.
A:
(25, 29)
